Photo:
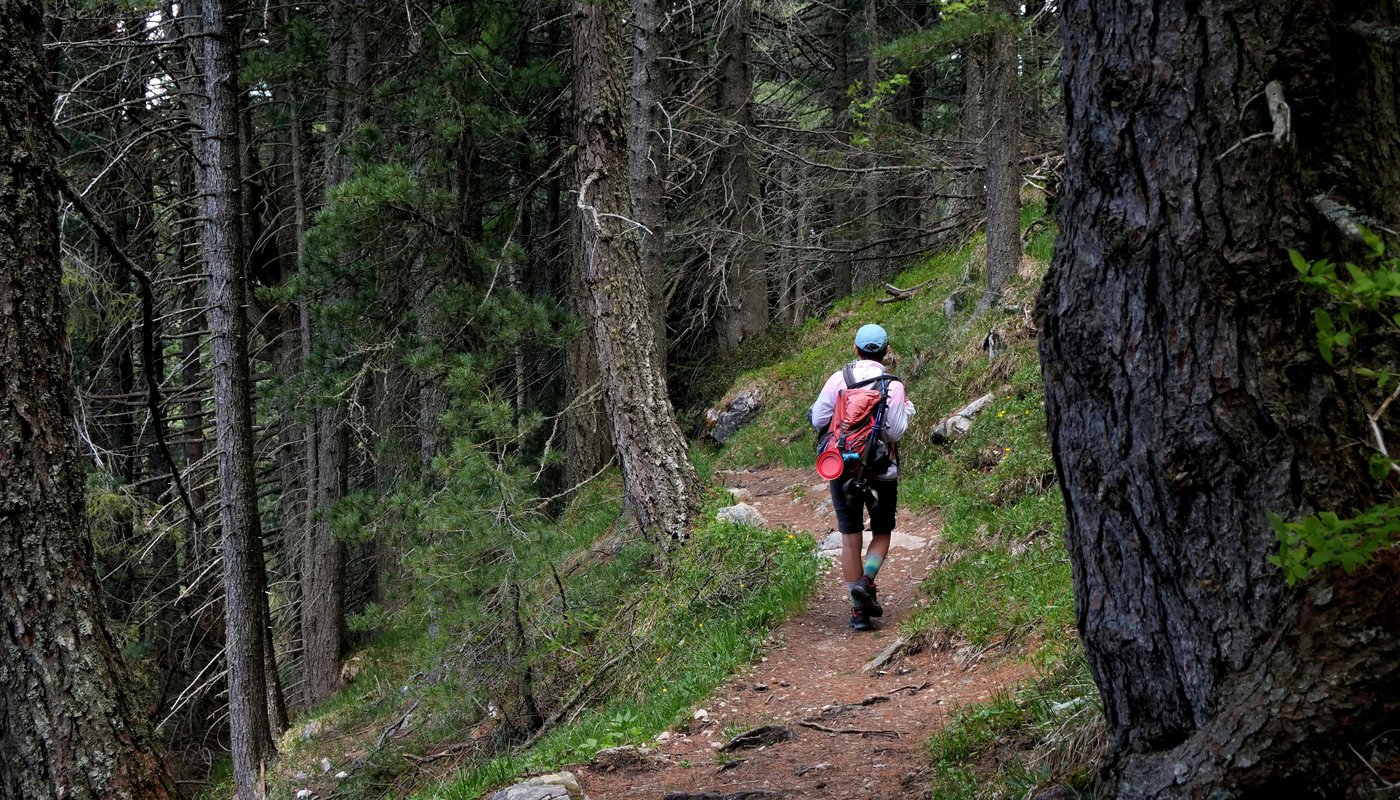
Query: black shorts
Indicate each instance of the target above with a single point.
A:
(850, 517)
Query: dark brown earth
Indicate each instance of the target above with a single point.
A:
(810, 680)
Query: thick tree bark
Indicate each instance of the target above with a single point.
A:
(217, 151)
(1003, 176)
(661, 482)
(647, 156)
(69, 725)
(1186, 398)
(744, 310)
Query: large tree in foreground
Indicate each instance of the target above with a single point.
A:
(1185, 393)
(68, 724)
(661, 482)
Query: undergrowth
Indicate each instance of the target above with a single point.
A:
(1047, 732)
(565, 638)
(705, 616)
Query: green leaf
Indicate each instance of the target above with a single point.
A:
(1323, 320)
(1299, 263)
(1373, 241)
(1380, 465)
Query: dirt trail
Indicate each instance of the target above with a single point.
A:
(812, 672)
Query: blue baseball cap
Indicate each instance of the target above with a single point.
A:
(871, 339)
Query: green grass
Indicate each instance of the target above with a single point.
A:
(705, 616)
(1047, 732)
(649, 631)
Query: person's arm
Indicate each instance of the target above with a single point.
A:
(898, 411)
(821, 412)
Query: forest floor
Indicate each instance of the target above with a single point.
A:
(854, 733)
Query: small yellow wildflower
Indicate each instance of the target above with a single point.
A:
(1001, 413)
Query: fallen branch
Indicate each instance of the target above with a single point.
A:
(897, 294)
(860, 731)
(393, 730)
(451, 750)
(1031, 229)
(838, 710)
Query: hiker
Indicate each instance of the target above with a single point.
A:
(863, 480)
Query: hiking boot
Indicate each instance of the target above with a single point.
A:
(860, 620)
(864, 598)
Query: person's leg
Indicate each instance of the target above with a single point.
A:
(850, 521)
(882, 516)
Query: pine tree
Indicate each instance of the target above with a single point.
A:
(69, 725)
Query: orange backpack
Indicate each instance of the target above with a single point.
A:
(851, 444)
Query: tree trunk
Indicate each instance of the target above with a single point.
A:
(972, 128)
(647, 153)
(69, 725)
(841, 275)
(245, 581)
(661, 482)
(1003, 176)
(744, 310)
(873, 184)
(1187, 400)
(323, 559)
(323, 564)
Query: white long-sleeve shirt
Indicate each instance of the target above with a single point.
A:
(897, 413)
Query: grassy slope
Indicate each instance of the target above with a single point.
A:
(644, 634)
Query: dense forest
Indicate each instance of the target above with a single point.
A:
(319, 317)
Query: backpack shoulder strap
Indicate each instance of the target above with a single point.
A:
(883, 379)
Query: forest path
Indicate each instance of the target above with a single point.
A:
(811, 671)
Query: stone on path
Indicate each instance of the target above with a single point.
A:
(558, 786)
(830, 547)
(742, 514)
(893, 650)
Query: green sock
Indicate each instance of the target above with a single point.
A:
(872, 565)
